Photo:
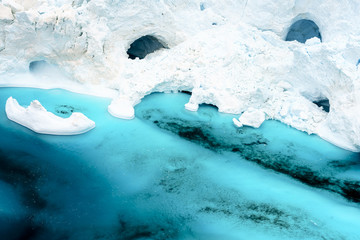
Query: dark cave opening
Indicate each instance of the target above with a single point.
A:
(324, 103)
(209, 105)
(186, 92)
(143, 46)
(38, 66)
(303, 30)
(43, 68)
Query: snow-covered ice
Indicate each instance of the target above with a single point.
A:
(38, 119)
(121, 108)
(232, 55)
(170, 173)
(251, 117)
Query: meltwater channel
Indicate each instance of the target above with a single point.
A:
(170, 174)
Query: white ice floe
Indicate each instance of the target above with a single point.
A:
(121, 108)
(191, 107)
(39, 120)
(230, 54)
(251, 117)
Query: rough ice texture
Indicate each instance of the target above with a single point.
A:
(230, 54)
(251, 117)
(39, 120)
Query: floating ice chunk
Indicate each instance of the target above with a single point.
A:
(121, 108)
(252, 117)
(192, 107)
(237, 122)
(36, 118)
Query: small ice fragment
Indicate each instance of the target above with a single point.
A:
(252, 117)
(237, 122)
(191, 107)
(121, 108)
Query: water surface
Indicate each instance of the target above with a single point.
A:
(171, 174)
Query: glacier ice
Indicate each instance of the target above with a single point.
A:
(232, 55)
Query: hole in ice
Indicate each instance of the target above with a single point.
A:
(324, 103)
(37, 66)
(186, 92)
(143, 46)
(358, 62)
(303, 30)
(202, 6)
(209, 106)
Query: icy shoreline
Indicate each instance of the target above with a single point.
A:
(231, 55)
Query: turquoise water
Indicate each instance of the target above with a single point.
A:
(171, 174)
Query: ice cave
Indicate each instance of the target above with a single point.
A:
(143, 46)
(324, 103)
(43, 69)
(303, 30)
(179, 120)
(36, 66)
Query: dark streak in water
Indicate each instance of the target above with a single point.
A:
(31, 232)
(128, 231)
(22, 177)
(257, 213)
(254, 150)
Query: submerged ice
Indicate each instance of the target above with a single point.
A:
(190, 175)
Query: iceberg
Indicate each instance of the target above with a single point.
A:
(39, 120)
